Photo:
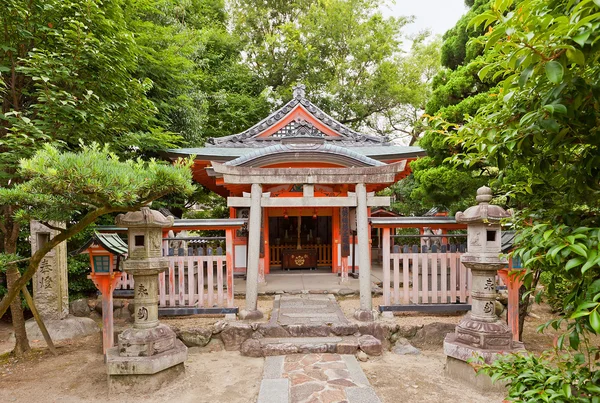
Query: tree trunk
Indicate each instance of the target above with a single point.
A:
(12, 275)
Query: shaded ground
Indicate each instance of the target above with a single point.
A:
(78, 373)
(419, 378)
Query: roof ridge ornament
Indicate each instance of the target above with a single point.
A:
(299, 91)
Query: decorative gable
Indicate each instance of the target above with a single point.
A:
(298, 118)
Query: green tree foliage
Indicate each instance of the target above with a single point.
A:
(345, 51)
(456, 92)
(543, 125)
(59, 185)
(66, 75)
(199, 85)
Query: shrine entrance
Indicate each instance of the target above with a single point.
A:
(300, 239)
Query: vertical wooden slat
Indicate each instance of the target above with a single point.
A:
(229, 265)
(191, 283)
(453, 283)
(220, 280)
(209, 275)
(201, 260)
(415, 284)
(469, 285)
(386, 266)
(396, 278)
(172, 282)
(435, 258)
(123, 282)
(463, 282)
(181, 281)
(444, 276)
(424, 278)
(405, 280)
(161, 289)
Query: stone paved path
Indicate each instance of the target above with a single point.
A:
(306, 309)
(315, 378)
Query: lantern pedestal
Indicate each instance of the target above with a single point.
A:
(148, 347)
(480, 333)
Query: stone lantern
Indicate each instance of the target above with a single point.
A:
(481, 332)
(149, 347)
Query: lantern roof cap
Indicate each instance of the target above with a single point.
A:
(112, 242)
(145, 217)
(484, 212)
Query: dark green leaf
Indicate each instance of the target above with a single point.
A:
(554, 71)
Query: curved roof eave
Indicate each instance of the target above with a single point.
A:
(304, 153)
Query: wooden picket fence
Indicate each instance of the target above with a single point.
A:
(415, 276)
(191, 281)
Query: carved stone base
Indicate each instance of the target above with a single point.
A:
(119, 385)
(250, 315)
(146, 342)
(121, 365)
(484, 335)
(364, 315)
(456, 349)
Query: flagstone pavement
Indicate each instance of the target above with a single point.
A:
(315, 378)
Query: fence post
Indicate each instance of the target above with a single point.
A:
(229, 264)
(386, 266)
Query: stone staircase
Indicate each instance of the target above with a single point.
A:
(307, 324)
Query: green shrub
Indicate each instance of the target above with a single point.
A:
(551, 377)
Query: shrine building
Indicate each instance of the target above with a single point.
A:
(307, 184)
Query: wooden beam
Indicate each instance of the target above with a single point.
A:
(349, 201)
(429, 308)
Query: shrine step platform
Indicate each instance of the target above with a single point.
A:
(307, 309)
(306, 324)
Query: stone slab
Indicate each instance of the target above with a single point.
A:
(300, 340)
(117, 365)
(273, 367)
(143, 384)
(274, 391)
(462, 371)
(70, 327)
(307, 308)
(361, 395)
(356, 373)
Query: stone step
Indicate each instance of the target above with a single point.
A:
(271, 346)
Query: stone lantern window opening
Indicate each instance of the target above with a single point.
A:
(139, 240)
(491, 236)
(42, 239)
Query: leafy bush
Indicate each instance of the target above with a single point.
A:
(80, 286)
(551, 377)
(556, 290)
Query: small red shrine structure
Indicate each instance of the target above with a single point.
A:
(304, 181)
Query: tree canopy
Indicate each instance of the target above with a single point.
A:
(58, 185)
(346, 52)
(540, 131)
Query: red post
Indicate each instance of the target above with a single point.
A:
(229, 264)
(106, 283)
(513, 280)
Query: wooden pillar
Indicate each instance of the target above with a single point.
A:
(513, 280)
(229, 261)
(267, 268)
(106, 284)
(385, 250)
(364, 257)
(254, 221)
(335, 241)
